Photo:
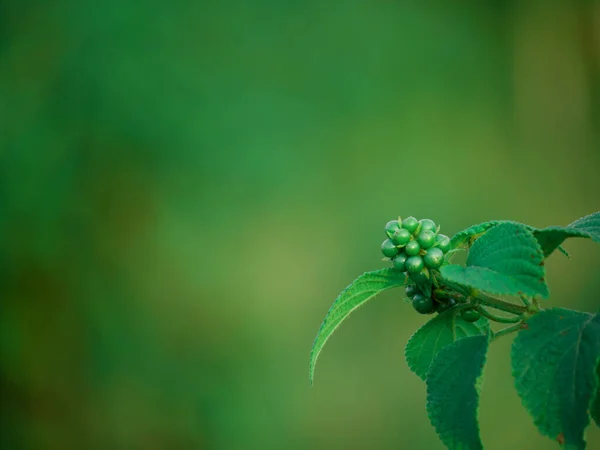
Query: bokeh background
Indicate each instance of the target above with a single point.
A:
(186, 186)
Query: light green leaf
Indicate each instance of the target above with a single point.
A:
(473, 232)
(442, 330)
(453, 385)
(554, 360)
(551, 238)
(364, 288)
(507, 260)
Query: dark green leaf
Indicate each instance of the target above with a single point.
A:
(595, 408)
(554, 361)
(364, 288)
(442, 330)
(453, 385)
(587, 227)
(507, 260)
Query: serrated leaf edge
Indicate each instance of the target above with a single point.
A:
(428, 324)
(514, 375)
(478, 385)
(314, 353)
(538, 249)
(461, 238)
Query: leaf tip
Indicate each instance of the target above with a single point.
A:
(311, 374)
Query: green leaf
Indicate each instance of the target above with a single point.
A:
(595, 408)
(364, 288)
(551, 238)
(453, 385)
(554, 360)
(473, 232)
(442, 330)
(507, 260)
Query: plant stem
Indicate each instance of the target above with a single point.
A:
(507, 330)
(485, 313)
(498, 304)
(525, 301)
(461, 306)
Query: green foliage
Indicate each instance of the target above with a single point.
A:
(549, 238)
(442, 330)
(468, 235)
(555, 357)
(506, 260)
(595, 408)
(453, 392)
(364, 288)
(552, 237)
(554, 361)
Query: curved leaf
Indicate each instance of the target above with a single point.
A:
(551, 238)
(506, 260)
(554, 360)
(364, 288)
(453, 385)
(473, 232)
(442, 330)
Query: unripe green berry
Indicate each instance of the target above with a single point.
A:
(399, 262)
(421, 277)
(428, 224)
(426, 239)
(410, 224)
(434, 258)
(411, 290)
(412, 248)
(391, 227)
(445, 305)
(470, 315)
(388, 248)
(422, 304)
(400, 237)
(442, 242)
(414, 264)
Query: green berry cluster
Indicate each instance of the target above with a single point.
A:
(438, 301)
(415, 246)
(424, 303)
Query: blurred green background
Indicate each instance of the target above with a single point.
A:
(185, 187)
